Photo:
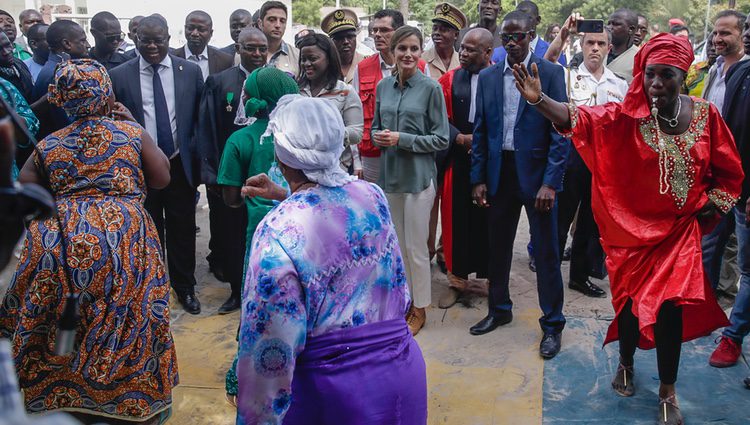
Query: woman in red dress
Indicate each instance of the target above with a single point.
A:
(664, 168)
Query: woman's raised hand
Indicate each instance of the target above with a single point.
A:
(527, 82)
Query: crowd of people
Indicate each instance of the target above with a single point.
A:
(334, 179)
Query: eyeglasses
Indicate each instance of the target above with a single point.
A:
(156, 41)
(116, 37)
(515, 36)
(251, 49)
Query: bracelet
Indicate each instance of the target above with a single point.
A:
(541, 98)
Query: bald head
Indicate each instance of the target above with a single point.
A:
(252, 46)
(239, 13)
(476, 50)
(28, 18)
(481, 36)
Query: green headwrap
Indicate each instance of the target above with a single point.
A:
(266, 86)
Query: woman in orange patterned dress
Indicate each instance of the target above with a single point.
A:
(123, 366)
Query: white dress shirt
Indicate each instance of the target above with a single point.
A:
(473, 103)
(585, 90)
(718, 85)
(511, 102)
(166, 74)
(201, 60)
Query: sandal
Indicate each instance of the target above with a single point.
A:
(669, 411)
(232, 399)
(624, 384)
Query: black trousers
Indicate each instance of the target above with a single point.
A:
(667, 336)
(586, 255)
(227, 243)
(173, 212)
(503, 214)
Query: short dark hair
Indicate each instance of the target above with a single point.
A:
(397, 19)
(528, 7)
(519, 16)
(153, 21)
(631, 18)
(60, 30)
(240, 12)
(606, 31)
(202, 14)
(35, 30)
(729, 12)
(677, 28)
(333, 73)
(272, 4)
(102, 18)
(640, 15)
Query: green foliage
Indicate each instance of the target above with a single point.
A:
(693, 12)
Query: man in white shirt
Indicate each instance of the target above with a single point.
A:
(728, 44)
(591, 83)
(198, 31)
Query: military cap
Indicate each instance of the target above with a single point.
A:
(339, 20)
(447, 13)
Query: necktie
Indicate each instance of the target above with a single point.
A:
(163, 123)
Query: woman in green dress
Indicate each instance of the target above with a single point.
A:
(245, 156)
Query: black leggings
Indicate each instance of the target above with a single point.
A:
(667, 336)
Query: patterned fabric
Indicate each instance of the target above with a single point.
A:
(123, 364)
(82, 87)
(323, 260)
(14, 98)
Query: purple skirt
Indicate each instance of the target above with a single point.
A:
(372, 374)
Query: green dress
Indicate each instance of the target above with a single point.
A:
(244, 156)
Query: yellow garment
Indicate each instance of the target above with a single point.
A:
(696, 78)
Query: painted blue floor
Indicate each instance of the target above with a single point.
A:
(577, 386)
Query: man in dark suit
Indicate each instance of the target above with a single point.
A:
(198, 30)
(163, 92)
(221, 115)
(238, 20)
(518, 160)
(108, 35)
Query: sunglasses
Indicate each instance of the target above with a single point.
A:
(514, 36)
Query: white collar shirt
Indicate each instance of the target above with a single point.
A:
(201, 60)
(166, 74)
(585, 90)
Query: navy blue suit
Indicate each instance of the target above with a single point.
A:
(172, 208)
(513, 179)
(498, 55)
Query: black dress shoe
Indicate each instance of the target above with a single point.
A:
(230, 305)
(587, 288)
(190, 303)
(490, 323)
(532, 263)
(550, 345)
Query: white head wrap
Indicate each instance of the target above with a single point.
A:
(309, 136)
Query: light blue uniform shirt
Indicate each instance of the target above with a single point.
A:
(511, 102)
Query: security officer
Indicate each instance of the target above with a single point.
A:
(590, 83)
(342, 26)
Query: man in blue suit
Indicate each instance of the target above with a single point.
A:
(163, 93)
(537, 45)
(518, 160)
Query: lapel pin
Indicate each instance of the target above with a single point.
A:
(180, 67)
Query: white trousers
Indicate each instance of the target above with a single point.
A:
(410, 213)
(371, 168)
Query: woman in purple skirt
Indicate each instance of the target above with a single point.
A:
(323, 337)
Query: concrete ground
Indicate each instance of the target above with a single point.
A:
(497, 378)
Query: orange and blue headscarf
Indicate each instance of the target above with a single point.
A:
(82, 87)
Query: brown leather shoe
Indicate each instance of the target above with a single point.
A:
(415, 318)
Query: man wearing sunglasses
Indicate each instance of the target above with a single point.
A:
(107, 38)
(518, 162)
(537, 45)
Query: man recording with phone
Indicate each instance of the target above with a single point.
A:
(590, 83)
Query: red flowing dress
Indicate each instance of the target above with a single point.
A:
(645, 198)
